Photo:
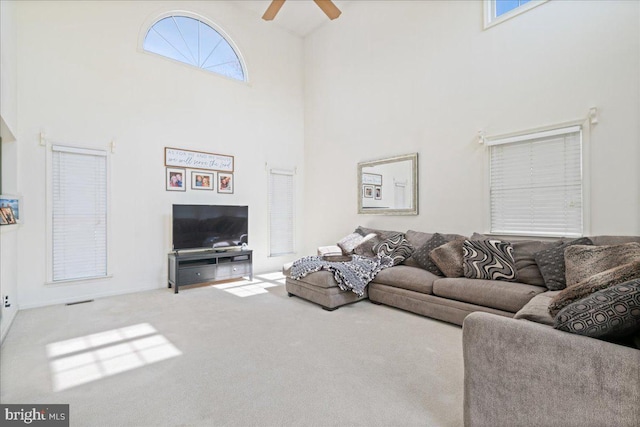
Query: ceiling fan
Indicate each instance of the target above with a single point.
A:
(327, 7)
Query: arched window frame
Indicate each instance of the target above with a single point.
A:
(150, 22)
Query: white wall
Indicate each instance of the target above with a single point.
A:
(83, 81)
(390, 78)
(8, 169)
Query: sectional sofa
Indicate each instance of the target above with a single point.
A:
(519, 370)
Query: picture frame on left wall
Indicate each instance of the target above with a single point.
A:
(175, 179)
(15, 203)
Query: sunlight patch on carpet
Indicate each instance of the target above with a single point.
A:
(259, 284)
(92, 357)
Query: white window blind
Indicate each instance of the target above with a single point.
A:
(79, 213)
(281, 212)
(536, 184)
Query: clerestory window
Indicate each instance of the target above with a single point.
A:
(496, 11)
(194, 42)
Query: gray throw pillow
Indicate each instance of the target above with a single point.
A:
(597, 282)
(397, 247)
(582, 262)
(349, 243)
(421, 255)
(526, 267)
(448, 258)
(365, 248)
(488, 259)
(551, 263)
(610, 313)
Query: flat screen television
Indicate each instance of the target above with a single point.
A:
(209, 226)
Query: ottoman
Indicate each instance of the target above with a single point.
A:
(320, 288)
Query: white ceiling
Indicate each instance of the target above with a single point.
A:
(300, 17)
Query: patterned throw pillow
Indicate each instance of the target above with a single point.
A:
(448, 258)
(421, 255)
(609, 313)
(349, 243)
(397, 247)
(488, 259)
(551, 263)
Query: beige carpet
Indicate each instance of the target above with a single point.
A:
(234, 355)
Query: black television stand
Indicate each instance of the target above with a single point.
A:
(208, 266)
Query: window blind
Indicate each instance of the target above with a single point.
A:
(281, 212)
(79, 213)
(536, 185)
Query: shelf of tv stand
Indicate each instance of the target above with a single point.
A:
(190, 268)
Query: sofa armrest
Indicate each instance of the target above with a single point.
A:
(520, 373)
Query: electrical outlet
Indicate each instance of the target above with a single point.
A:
(6, 301)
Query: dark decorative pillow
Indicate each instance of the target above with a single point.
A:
(609, 313)
(448, 258)
(397, 247)
(551, 263)
(365, 248)
(421, 255)
(488, 259)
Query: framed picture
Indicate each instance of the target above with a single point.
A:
(7, 213)
(225, 183)
(175, 179)
(202, 180)
(367, 191)
(378, 192)
(14, 202)
(198, 160)
(371, 178)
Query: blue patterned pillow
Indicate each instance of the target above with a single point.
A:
(610, 313)
(397, 247)
(488, 259)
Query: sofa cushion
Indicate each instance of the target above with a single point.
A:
(406, 277)
(421, 255)
(384, 234)
(537, 310)
(448, 258)
(488, 259)
(597, 282)
(396, 247)
(527, 269)
(582, 262)
(322, 279)
(613, 240)
(551, 263)
(609, 313)
(507, 296)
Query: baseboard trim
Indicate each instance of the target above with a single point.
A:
(85, 297)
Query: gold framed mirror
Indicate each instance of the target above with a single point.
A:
(389, 186)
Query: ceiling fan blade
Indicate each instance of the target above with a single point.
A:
(272, 10)
(330, 9)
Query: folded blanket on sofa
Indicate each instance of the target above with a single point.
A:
(352, 275)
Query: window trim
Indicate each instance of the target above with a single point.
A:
(49, 215)
(491, 20)
(585, 130)
(152, 20)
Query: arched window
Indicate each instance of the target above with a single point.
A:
(194, 42)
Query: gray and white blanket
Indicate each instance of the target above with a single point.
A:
(352, 275)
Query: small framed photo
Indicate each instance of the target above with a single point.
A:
(378, 192)
(225, 183)
(367, 191)
(14, 202)
(7, 213)
(175, 179)
(202, 180)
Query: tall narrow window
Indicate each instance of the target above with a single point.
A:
(281, 212)
(536, 183)
(79, 213)
(192, 41)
